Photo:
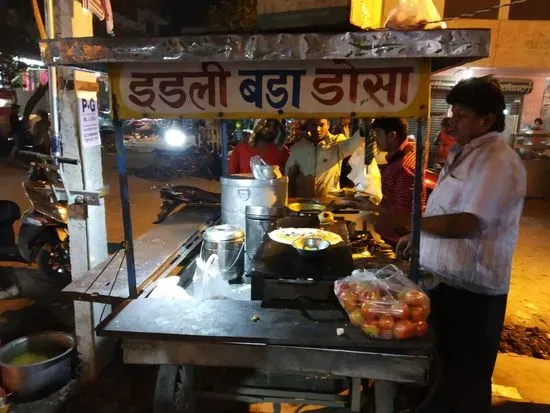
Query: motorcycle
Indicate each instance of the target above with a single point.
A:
(173, 196)
(43, 235)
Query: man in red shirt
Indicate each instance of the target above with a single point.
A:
(261, 144)
(397, 175)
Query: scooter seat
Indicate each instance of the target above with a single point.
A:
(9, 212)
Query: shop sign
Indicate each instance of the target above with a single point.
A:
(273, 89)
(518, 86)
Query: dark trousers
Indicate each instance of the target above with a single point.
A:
(467, 328)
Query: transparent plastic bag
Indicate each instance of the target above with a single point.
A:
(261, 170)
(208, 282)
(414, 14)
(384, 304)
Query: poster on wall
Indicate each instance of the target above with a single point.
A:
(545, 111)
(210, 90)
(88, 119)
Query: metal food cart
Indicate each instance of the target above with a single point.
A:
(356, 74)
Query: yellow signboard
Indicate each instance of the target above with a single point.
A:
(294, 89)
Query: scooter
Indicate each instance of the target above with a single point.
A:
(43, 235)
(174, 196)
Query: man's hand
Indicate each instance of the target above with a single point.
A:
(403, 248)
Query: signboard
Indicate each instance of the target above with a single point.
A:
(273, 89)
(88, 117)
(507, 85)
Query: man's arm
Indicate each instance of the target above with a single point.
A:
(348, 146)
(233, 164)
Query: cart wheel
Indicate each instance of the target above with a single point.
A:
(174, 392)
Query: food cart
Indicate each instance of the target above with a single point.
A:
(357, 74)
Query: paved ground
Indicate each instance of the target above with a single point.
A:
(528, 305)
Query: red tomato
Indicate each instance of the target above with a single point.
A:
(340, 288)
(414, 297)
(386, 334)
(371, 329)
(356, 317)
(386, 322)
(368, 312)
(367, 294)
(400, 310)
(403, 329)
(419, 313)
(349, 300)
(420, 328)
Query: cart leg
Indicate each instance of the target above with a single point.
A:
(384, 395)
(174, 390)
(355, 403)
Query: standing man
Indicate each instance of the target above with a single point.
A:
(469, 233)
(261, 143)
(397, 178)
(444, 141)
(314, 166)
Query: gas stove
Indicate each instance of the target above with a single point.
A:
(278, 272)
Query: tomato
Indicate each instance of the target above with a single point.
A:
(386, 334)
(349, 300)
(368, 312)
(371, 329)
(341, 287)
(356, 318)
(403, 329)
(419, 313)
(386, 322)
(400, 310)
(414, 297)
(368, 294)
(420, 328)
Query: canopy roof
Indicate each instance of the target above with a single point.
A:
(445, 48)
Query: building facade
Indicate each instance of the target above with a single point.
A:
(519, 56)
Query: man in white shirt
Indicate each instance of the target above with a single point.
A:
(314, 165)
(469, 232)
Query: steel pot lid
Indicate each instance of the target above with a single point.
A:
(223, 232)
(261, 211)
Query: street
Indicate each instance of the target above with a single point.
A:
(516, 377)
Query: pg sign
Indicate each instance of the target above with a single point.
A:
(88, 120)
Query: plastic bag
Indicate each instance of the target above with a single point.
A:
(168, 288)
(208, 282)
(414, 14)
(367, 179)
(384, 304)
(261, 170)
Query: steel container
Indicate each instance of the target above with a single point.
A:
(32, 381)
(239, 191)
(227, 242)
(259, 221)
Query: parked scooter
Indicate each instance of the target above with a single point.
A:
(43, 235)
(174, 196)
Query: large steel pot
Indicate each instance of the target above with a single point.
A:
(239, 191)
(31, 381)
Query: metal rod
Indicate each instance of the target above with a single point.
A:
(417, 201)
(125, 201)
(224, 140)
(52, 82)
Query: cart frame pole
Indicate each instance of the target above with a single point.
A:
(125, 201)
(417, 200)
(224, 142)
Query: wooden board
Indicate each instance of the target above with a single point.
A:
(232, 321)
(108, 282)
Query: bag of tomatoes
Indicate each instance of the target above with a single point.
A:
(384, 304)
